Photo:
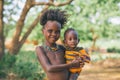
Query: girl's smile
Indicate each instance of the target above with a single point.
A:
(51, 32)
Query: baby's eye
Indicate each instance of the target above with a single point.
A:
(75, 38)
(70, 39)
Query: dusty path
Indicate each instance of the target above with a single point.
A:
(103, 70)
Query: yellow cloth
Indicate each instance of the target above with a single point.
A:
(70, 55)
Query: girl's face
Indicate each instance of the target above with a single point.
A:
(71, 39)
(51, 32)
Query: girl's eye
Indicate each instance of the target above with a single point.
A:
(57, 32)
(50, 31)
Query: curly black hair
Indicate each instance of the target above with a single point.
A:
(54, 15)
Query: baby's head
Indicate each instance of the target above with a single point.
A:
(52, 21)
(71, 38)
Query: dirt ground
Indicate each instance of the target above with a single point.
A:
(108, 69)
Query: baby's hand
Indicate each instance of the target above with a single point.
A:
(82, 64)
(79, 58)
(85, 58)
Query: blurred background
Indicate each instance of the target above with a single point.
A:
(98, 25)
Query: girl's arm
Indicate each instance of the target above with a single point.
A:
(45, 63)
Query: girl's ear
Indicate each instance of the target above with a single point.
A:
(42, 31)
(63, 41)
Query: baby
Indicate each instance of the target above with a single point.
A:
(71, 41)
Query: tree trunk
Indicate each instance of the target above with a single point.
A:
(1, 29)
(15, 44)
(18, 42)
(16, 49)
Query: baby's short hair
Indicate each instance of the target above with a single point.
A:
(68, 30)
(54, 15)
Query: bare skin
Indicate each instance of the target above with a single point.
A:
(50, 62)
(53, 62)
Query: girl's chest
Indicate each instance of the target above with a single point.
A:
(56, 57)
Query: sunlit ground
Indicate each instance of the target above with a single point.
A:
(104, 66)
(108, 69)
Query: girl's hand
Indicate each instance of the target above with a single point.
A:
(81, 61)
(75, 64)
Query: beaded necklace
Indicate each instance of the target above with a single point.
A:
(51, 48)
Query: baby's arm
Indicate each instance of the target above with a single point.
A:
(85, 56)
(45, 63)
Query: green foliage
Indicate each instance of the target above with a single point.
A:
(84, 15)
(7, 60)
(36, 34)
(24, 65)
(6, 64)
(95, 14)
(27, 66)
(113, 50)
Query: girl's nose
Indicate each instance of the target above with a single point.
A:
(53, 33)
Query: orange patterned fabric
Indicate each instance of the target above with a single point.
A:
(71, 55)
